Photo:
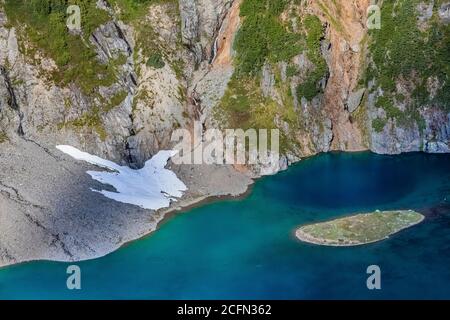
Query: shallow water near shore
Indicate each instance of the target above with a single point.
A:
(246, 249)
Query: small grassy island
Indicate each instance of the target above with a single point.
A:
(359, 229)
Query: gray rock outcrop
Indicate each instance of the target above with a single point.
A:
(444, 13)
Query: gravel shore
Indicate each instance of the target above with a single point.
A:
(48, 211)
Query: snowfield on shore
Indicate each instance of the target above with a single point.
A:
(152, 187)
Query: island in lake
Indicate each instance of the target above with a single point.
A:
(359, 229)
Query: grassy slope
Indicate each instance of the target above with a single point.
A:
(41, 25)
(266, 38)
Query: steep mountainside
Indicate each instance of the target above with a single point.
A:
(139, 69)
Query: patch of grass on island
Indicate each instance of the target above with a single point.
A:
(359, 229)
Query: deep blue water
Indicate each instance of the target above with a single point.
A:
(245, 249)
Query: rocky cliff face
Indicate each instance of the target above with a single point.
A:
(132, 116)
(107, 120)
(370, 95)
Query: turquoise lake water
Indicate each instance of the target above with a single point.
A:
(246, 249)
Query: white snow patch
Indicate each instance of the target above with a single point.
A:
(152, 187)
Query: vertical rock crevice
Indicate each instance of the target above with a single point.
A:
(11, 100)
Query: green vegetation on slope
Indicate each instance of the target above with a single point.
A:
(90, 120)
(314, 34)
(153, 50)
(3, 137)
(41, 26)
(272, 32)
(401, 51)
(116, 100)
(263, 37)
(244, 107)
(44, 24)
(131, 10)
(156, 60)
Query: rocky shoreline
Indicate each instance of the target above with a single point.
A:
(48, 212)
